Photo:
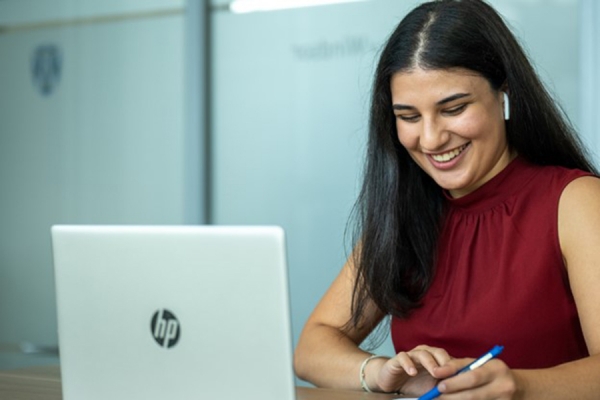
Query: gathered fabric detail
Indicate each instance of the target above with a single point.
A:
(499, 276)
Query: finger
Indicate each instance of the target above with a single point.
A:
(406, 363)
(495, 376)
(453, 366)
(425, 359)
(435, 357)
(465, 381)
(500, 387)
(441, 356)
(481, 392)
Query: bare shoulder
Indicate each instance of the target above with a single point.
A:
(579, 215)
(579, 205)
(586, 188)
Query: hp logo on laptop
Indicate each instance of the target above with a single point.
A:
(165, 328)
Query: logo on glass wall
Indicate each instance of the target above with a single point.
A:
(165, 328)
(46, 66)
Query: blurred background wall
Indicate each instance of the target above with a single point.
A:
(184, 112)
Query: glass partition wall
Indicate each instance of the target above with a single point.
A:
(93, 130)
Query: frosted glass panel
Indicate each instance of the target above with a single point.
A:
(291, 91)
(553, 43)
(590, 79)
(106, 145)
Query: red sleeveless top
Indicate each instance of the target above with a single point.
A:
(500, 277)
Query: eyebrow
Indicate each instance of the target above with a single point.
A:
(439, 103)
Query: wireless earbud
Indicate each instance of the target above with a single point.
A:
(506, 107)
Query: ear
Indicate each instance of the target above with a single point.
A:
(506, 104)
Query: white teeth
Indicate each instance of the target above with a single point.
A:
(445, 157)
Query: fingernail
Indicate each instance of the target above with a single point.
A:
(412, 371)
(442, 387)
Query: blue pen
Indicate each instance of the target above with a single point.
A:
(433, 393)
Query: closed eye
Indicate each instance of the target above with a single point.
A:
(455, 110)
(408, 118)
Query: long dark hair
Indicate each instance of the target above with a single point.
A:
(400, 209)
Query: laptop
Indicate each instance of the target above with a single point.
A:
(173, 312)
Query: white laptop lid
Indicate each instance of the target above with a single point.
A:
(159, 312)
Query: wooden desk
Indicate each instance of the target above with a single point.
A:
(43, 383)
(35, 383)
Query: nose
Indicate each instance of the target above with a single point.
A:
(433, 135)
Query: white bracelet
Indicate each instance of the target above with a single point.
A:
(363, 382)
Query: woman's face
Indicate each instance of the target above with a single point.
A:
(451, 123)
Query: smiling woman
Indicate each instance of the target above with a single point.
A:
(452, 125)
(478, 223)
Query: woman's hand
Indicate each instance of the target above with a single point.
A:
(414, 372)
(493, 380)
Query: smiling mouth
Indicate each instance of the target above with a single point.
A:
(445, 157)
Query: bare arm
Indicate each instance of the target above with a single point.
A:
(329, 356)
(326, 355)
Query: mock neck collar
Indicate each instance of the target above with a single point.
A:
(497, 189)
